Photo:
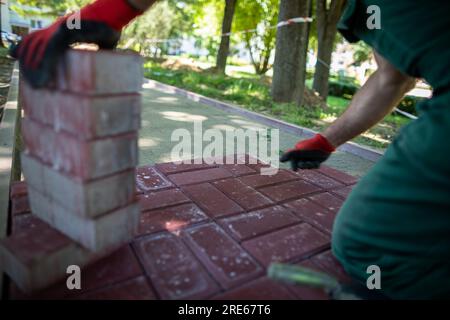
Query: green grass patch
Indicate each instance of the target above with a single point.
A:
(252, 92)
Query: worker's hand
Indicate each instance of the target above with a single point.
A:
(309, 154)
(99, 23)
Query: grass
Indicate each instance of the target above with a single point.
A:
(252, 92)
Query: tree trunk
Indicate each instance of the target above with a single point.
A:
(289, 70)
(224, 49)
(327, 19)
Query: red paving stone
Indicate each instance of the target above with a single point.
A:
(213, 201)
(161, 199)
(328, 201)
(328, 263)
(191, 177)
(258, 180)
(134, 289)
(343, 192)
(312, 213)
(173, 269)
(20, 205)
(318, 179)
(289, 190)
(260, 289)
(308, 293)
(149, 179)
(338, 175)
(214, 236)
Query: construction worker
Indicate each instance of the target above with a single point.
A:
(101, 23)
(398, 216)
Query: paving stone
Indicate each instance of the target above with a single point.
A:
(247, 197)
(161, 199)
(177, 167)
(149, 179)
(318, 179)
(85, 160)
(258, 180)
(193, 177)
(95, 72)
(173, 270)
(211, 200)
(20, 205)
(86, 117)
(289, 190)
(327, 262)
(118, 266)
(22, 222)
(312, 213)
(38, 256)
(18, 189)
(342, 192)
(238, 170)
(229, 264)
(288, 244)
(88, 199)
(109, 230)
(303, 292)
(134, 289)
(328, 201)
(338, 175)
(248, 225)
(171, 219)
(260, 289)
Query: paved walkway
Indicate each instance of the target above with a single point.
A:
(210, 232)
(163, 113)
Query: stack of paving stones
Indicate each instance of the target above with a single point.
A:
(80, 139)
(210, 232)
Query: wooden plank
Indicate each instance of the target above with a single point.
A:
(9, 160)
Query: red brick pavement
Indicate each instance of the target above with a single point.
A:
(210, 231)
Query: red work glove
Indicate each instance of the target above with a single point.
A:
(309, 154)
(101, 23)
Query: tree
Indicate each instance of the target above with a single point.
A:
(224, 48)
(259, 16)
(289, 72)
(328, 14)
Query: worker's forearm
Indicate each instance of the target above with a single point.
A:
(141, 5)
(371, 104)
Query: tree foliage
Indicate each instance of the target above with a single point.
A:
(259, 15)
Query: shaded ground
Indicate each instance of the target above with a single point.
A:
(210, 232)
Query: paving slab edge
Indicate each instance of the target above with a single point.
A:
(349, 147)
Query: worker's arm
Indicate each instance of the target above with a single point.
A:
(377, 98)
(100, 22)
